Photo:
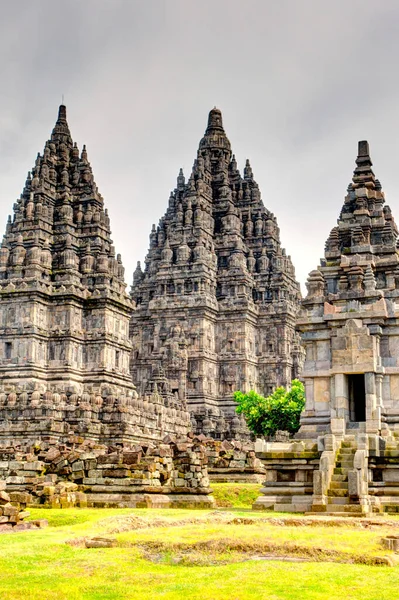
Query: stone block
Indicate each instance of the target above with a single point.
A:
(20, 497)
(24, 514)
(78, 465)
(34, 466)
(338, 426)
(90, 464)
(116, 473)
(318, 483)
(4, 498)
(9, 510)
(354, 483)
(14, 465)
(52, 455)
(100, 542)
(62, 464)
(22, 527)
(108, 459)
(13, 480)
(41, 523)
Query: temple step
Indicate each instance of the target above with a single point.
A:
(339, 477)
(339, 485)
(349, 508)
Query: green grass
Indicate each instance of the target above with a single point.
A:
(207, 555)
(239, 495)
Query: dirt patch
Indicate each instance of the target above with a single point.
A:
(228, 550)
(120, 524)
(78, 542)
(358, 523)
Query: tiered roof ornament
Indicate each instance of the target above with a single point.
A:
(364, 241)
(216, 271)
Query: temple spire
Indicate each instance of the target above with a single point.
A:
(61, 131)
(181, 181)
(363, 175)
(215, 138)
(62, 114)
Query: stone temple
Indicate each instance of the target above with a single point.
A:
(217, 309)
(348, 459)
(64, 314)
(351, 317)
(217, 300)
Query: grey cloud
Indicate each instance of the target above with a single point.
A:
(299, 83)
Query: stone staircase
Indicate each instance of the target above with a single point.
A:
(339, 502)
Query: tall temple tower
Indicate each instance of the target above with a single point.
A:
(349, 322)
(64, 312)
(218, 299)
(348, 441)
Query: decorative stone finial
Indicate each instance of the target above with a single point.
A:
(215, 120)
(62, 116)
(248, 174)
(181, 180)
(61, 133)
(363, 175)
(315, 284)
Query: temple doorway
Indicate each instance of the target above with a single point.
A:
(357, 398)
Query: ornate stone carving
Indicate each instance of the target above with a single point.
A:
(217, 273)
(64, 314)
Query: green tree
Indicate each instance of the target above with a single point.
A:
(278, 412)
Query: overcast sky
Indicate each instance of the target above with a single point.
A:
(299, 82)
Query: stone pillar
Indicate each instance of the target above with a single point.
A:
(309, 395)
(182, 385)
(373, 385)
(370, 389)
(340, 403)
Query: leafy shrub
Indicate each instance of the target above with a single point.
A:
(278, 412)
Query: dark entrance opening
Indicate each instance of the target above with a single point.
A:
(357, 398)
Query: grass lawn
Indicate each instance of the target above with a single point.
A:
(241, 495)
(204, 555)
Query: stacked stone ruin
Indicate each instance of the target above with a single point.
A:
(217, 300)
(172, 473)
(233, 460)
(64, 315)
(13, 512)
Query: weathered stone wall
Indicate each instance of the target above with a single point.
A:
(173, 473)
(383, 464)
(13, 511)
(289, 467)
(233, 461)
(28, 416)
